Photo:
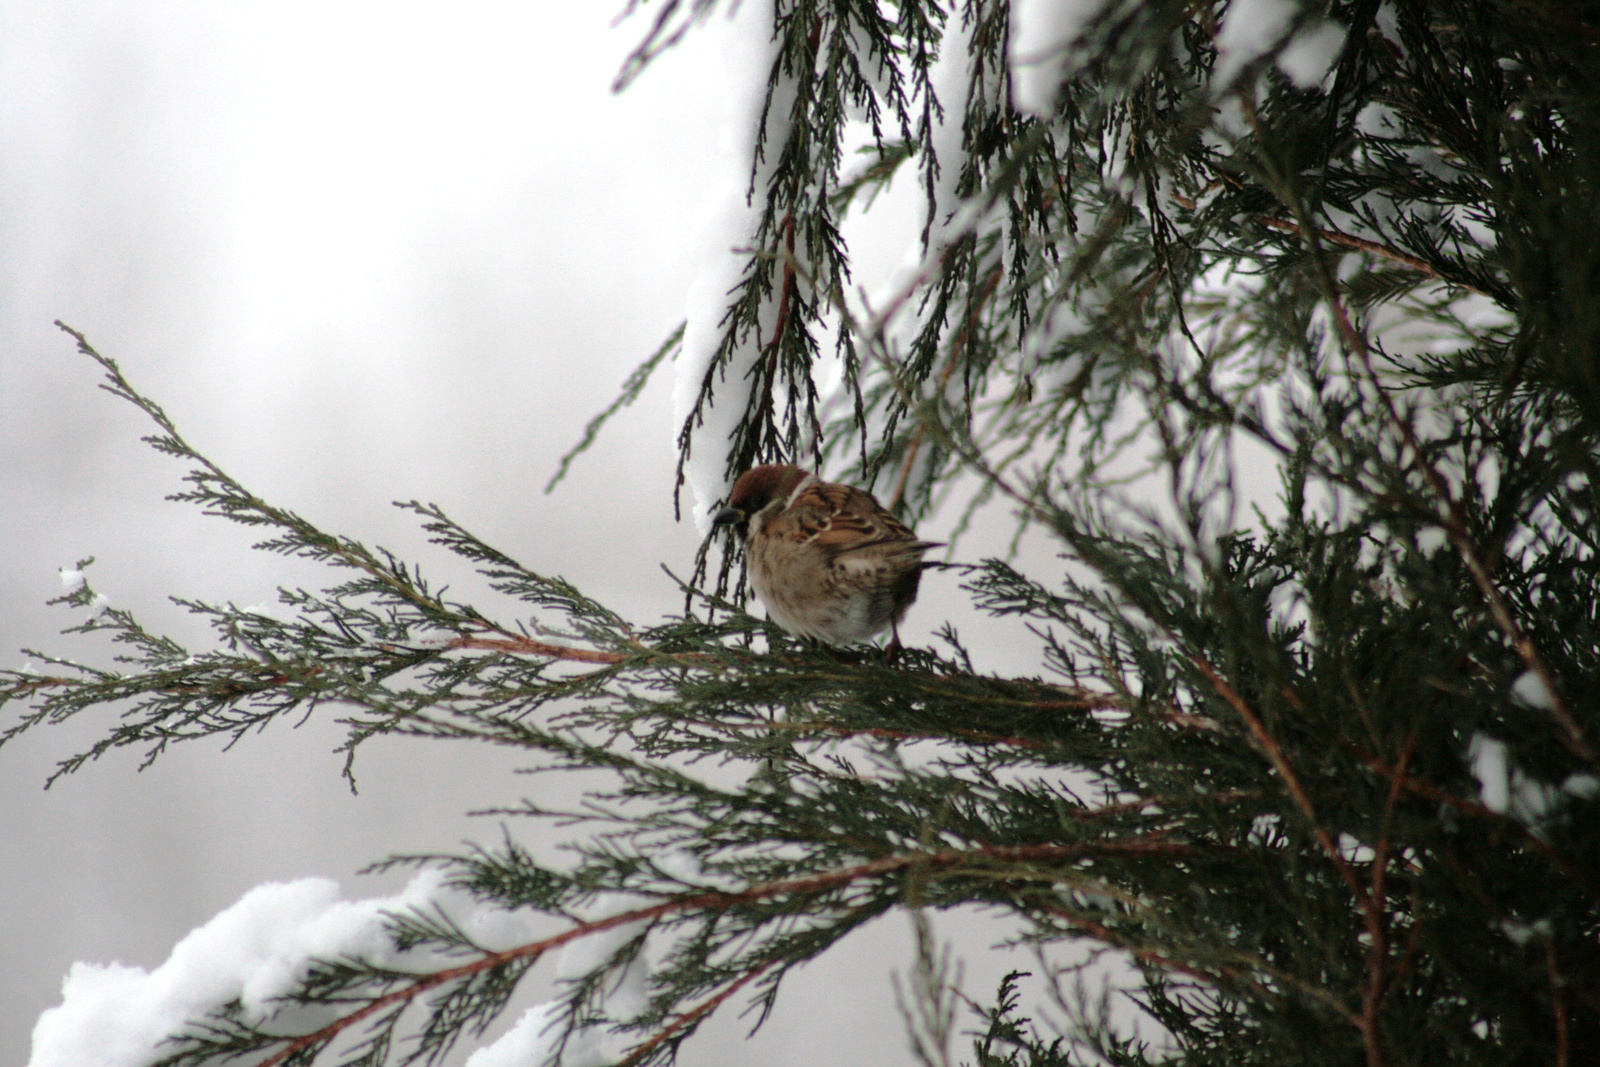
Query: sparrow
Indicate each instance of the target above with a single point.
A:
(828, 561)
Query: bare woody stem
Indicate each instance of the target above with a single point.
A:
(1558, 1005)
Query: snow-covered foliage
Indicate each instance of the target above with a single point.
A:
(249, 960)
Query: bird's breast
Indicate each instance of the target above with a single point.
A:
(810, 595)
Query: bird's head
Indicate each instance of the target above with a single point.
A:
(759, 493)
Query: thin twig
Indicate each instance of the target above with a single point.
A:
(1434, 793)
(786, 293)
(529, 647)
(1558, 1004)
(699, 1011)
(1373, 996)
(1362, 244)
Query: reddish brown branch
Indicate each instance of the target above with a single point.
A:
(787, 292)
(722, 901)
(1274, 752)
(529, 647)
(1377, 990)
(36, 683)
(1558, 1004)
(1360, 244)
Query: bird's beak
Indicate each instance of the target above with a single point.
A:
(727, 517)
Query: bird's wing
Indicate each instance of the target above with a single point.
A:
(840, 519)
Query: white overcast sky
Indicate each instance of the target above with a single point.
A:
(360, 252)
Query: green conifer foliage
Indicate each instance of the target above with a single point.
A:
(1325, 771)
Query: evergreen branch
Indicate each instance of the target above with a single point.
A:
(1377, 987)
(1155, 958)
(1280, 762)
(952, 360)
(524, 645)
(1376, 248)
(961, 862)
(1453, 520)
(630, 392)
(688, 1019)
(219, 494)
(1505, 823)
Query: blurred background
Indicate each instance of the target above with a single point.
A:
(360, 253)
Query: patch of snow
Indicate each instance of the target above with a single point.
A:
(1529, 689)
(1263, 829)
(726, 221)
(71, 579)
(627, 994)
(1430, 539)
(1429, 161)
(261, 948)
(685, 867)
(530, 1042)
(1377, 120)
(1307, 58)
(1534, 803)
(1040, 53)
(1582, 786)
(1488, 759)
(1353, 850)
(1520, 933)
(1509, 790)
(1249, 30)
(535, 1039)
(1387, 22)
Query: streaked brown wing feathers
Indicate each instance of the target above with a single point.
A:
(840, 519)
